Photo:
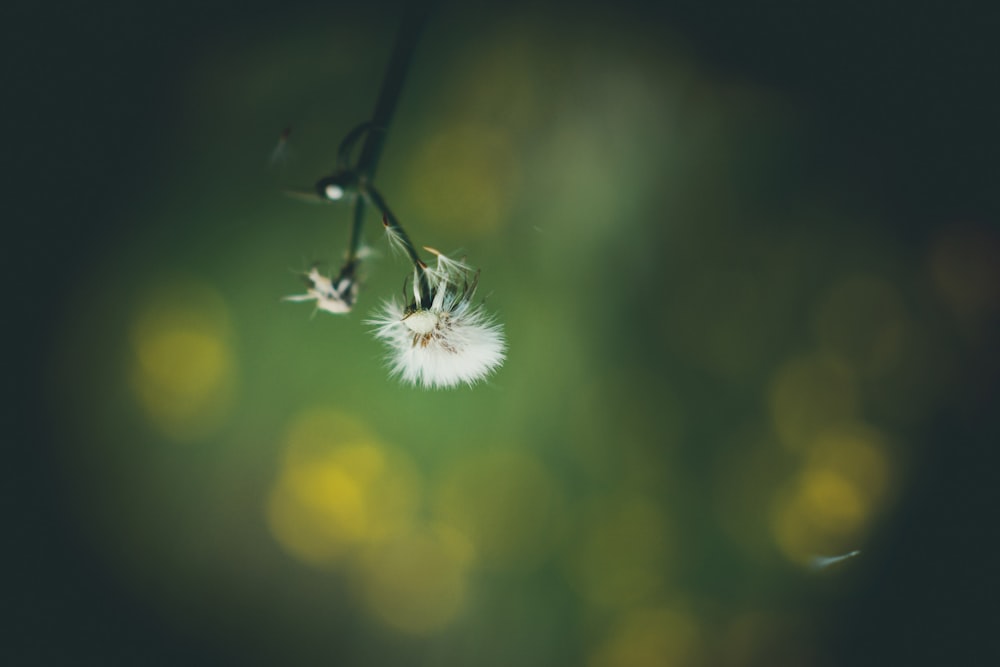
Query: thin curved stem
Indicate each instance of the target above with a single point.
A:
(414, 17)
(348, 142)
(375, 130)
(375, 198)
(359, 221)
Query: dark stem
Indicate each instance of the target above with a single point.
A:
(347, 145)
(414, 17)
(359, 222)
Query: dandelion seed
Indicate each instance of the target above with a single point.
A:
(280, 153)
(365, 251)
(333, 298)
(817, 563)
(441, 339)
(397, 245)
(447, 268)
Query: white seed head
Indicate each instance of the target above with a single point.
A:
(444, 343)
(422, 321)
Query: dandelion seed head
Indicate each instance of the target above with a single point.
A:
(444, 343)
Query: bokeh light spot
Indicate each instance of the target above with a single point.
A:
(464, 178)
(829, 506)
(651, 638)
(507, 504)
(857, 452)
(416, 582)
(808, 395)
(339, 489)
(500, 79)
(183, 368)
(820, 516)
(622, 556)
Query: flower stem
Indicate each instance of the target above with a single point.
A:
(375, 198)
(414, 17)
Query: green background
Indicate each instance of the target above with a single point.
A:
(745, 259)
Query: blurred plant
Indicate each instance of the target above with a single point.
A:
(439, 338)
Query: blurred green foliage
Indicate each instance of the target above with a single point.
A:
(716, 365)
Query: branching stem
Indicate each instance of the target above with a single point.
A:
(414, 17)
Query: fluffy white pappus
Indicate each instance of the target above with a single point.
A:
(450, 343)
(447, 269)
